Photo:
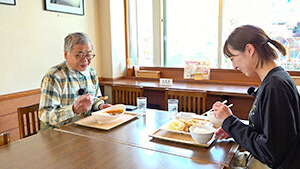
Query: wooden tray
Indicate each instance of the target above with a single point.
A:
(91, 122)
(178, 137)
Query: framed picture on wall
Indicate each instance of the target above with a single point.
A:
(65, 6)
(8, 2)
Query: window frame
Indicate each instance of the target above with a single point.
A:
(160, 43)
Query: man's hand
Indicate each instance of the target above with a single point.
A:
(103, 106)
(82, 104)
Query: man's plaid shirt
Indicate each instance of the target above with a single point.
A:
(59, 91)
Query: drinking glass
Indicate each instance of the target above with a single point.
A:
(141, 105)
(173, 107)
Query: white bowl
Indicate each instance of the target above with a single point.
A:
(102, 116)
(202, 133)
(214, 121)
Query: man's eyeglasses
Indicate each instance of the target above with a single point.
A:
(88, 56)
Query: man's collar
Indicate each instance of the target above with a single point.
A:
(70, 68)
(85, 72)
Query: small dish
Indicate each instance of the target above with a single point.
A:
(185, 115)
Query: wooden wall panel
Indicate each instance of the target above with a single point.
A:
(155, 98)
(216, 75)
(14, 135)
(8, 110)
(296, 80)
(211, 99)
(10, 105)
(241, 105)
(9, 122)
(231, 75)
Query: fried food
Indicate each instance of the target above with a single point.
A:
(184, 125)
(176, 125)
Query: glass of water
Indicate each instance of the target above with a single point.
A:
(173, 107)
(141, 105)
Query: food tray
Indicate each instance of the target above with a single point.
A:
(177, 136)
(91, 122)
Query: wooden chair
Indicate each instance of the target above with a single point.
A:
(4, 138)
(29, 123)
(188, 101)
(126, 95)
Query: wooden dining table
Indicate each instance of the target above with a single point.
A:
(56, 149)
(137, 133)
(128, 145)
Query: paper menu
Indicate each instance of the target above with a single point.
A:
(189, 69)
(198, 70)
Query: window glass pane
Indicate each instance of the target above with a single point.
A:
(132, 31)
(279, 19)
(141, 32)
(191, 32)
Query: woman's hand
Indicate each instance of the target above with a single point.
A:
(221, 111)
(223, 134)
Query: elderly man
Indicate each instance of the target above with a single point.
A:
(70, 90)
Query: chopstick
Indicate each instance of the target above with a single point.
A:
(83, 91)
(101, 98)
(225, 101)
(215, 140)
(211, 110)
(230, 105)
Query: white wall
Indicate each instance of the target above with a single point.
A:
(112, 38)
(32, 40)
(105, 40)
(117, 37)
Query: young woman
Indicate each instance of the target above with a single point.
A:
(273, 133)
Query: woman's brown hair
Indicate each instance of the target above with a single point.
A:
(249, 34)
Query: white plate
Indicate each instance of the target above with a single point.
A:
(166, 125)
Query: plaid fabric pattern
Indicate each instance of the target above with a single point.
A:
(59, 91)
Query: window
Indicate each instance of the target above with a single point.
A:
(199, 40)
(279, 18)
(141, 32)
(169, 32)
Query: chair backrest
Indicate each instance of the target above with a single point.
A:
(29, 123)
(188, 101)
(126, 95)
(4, 138)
